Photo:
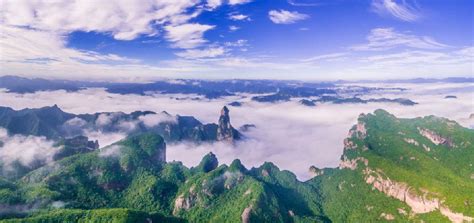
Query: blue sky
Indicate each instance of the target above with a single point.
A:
(270, 39)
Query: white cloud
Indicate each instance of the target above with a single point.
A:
(237, 43)
(34, 36)
(286, 17)
(78, 122)
(152, 120)
(239, 17)
(238, 2)
(110, 151)
(187, 36)
(104, 119)
(176, 81)
(467, 51)
(34, 52)
(233, 28)
(127, 126)
(202, 53)
(25, 149)
(402, 10)
(388, 38)
(212, 4)
(125, 20)
(105, 138)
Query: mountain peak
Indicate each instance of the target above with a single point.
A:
(208, 163)
(54, 108)
(225, 131)
(224, 111)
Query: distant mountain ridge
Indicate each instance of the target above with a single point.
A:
(261, 90)
(29, 85)
(53, 123)
(209, 89)
(266, 90)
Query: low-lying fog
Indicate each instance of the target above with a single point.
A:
(291, 135)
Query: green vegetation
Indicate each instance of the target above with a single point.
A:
(117, 215)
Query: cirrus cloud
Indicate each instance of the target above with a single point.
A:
(388, 38)
(402, 10)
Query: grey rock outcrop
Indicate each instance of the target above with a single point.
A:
(225, 131)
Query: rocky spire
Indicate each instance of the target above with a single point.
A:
(225, 131)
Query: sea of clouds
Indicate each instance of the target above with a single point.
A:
(289, 134)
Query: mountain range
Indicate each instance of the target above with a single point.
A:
(262, 90)
(53, 123)
(392, 169)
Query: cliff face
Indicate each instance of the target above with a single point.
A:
(410, 160)
(419, 203)
(225, 131)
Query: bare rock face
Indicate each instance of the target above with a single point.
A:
(427, 149)
(349, 144)
(388, 217)
(225, 131)
(314, 171)
(183, 202)
(246, 214)
(401, 191)
(411, 141)
(248, 191)
(436, 138)
(455, 217)
(352, 163)
(418, 203)
(359, 130)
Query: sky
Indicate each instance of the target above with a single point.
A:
(129, 40)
